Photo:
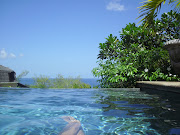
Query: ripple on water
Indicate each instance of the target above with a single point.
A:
(39, 112)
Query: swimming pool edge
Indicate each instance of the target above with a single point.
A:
(159, 85)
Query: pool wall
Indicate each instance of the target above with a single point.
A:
(159, 85)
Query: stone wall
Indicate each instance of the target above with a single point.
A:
(4, 76)
(7, 76)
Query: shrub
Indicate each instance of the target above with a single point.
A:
(59, 82)
(41, 82)
(21, 75)
(139, 55)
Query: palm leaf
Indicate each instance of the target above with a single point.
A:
(178, 4)
(152, 7)
(149, 8)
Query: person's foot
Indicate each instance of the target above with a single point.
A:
(70, 119)
(73, 127)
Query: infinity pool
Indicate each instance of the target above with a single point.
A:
(101, 112)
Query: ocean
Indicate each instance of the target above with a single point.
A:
(90, 81)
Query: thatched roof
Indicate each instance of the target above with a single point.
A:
(5, 69)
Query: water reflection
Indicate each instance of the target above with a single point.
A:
(161, 110)
(168, 118)
(100, 111)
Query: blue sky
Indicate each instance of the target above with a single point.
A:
(51, 37)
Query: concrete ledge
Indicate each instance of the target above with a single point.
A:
(159, 85)
(12, 84)
(121, 89)
(8, 84)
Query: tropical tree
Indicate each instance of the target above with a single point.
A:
(150, 8)
(138, 55)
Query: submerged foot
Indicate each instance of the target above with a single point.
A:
(69, 119)
(73, 127)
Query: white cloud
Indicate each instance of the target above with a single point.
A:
(115, 6)
(6, 55)
(3, 54)
(11, 55)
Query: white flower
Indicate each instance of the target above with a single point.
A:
(146, 70)
(157, 33)
(170, 74)
(174, 75)
(126, 31)
(142, 49)
(168, 69)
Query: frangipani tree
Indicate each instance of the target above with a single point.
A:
(138, 55)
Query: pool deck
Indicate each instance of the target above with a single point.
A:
(159, 85)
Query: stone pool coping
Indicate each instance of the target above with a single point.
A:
(12, 84)
(122, 89)
(8, 84)
(159, 85)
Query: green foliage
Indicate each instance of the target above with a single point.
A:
(150, 8)
(70, 82)
(139, 55)
(95, 87)
(59, 82)
(41, 82)
(24, 73)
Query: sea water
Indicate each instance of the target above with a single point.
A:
(101, 112)
(91, 81)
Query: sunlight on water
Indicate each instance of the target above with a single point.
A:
(39, 112)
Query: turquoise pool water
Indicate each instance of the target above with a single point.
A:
(101, 112)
